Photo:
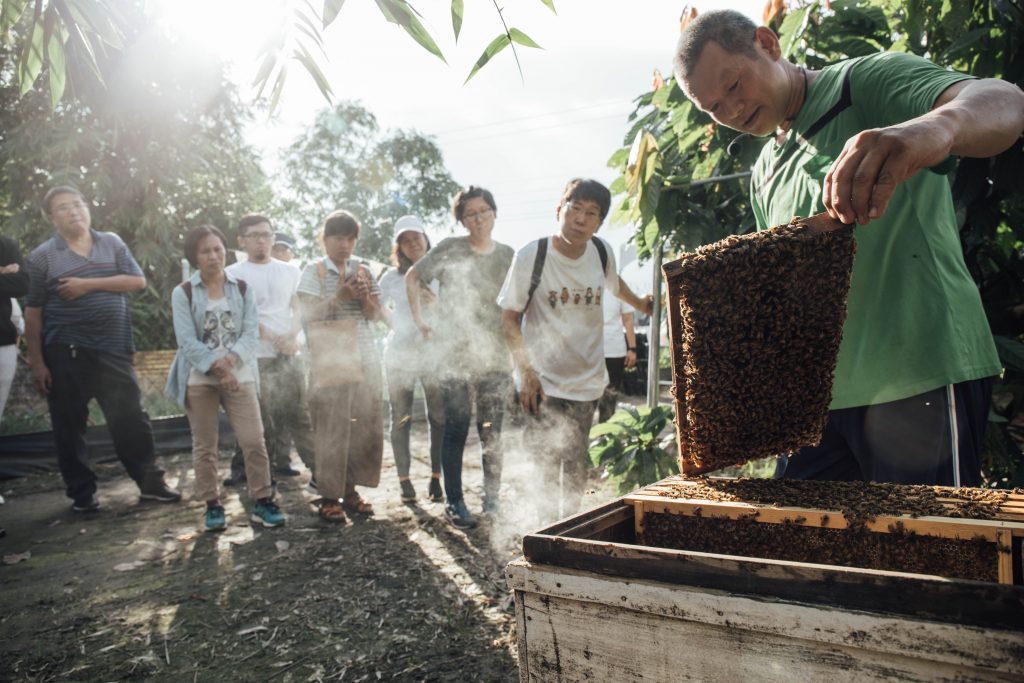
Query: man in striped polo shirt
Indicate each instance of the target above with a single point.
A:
(79, 333)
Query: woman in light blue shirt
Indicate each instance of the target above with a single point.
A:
(217, 329)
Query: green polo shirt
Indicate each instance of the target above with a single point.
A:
(915, 320)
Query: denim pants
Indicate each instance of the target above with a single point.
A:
(80, 375)
(401, 384)
(491, 392)
(284, 411)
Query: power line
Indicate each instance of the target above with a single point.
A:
(534, 128)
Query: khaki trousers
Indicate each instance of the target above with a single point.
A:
(243, 411)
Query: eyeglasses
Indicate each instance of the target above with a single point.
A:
(588, 214)
(477, 215)
(68, 208)
(258, 236)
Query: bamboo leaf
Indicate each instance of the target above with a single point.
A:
(495, 46)
(275, 96)
(10, 13)
(401, 13)
(31, 62)
(55, 57)
(331, 9)
(521, 38)
(457, 13)
(304, 58)
(99, 18)
(550, 5)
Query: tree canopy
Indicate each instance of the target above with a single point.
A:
(344, 161)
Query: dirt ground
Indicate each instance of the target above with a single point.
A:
(136, 590)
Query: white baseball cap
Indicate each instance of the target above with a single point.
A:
(408, 224)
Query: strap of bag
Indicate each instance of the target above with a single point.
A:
(186, 286)
(542, 255)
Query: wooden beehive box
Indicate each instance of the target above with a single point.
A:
(597, 599)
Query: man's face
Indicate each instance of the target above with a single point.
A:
(743, 93)
(69, 214)
(580, 219)
(282, 252)
(257, 241)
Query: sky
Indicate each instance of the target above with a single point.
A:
(522, 138)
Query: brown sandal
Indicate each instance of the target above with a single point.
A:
(331, 511)
(356, 503)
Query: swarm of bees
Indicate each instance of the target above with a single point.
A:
(760, 318)
(856, 501)
(898, 550)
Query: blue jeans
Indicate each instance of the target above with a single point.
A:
(492, 391)
(401, 384)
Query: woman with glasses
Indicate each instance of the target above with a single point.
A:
(473, 361)
(217, 330)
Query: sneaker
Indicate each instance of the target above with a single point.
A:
(311, 487)
(459, 516)
(214, 518)
(87, 503)
(434, 491)
(287, 471)
(408, 492)
(237, 478)
(267, 513)
(160, 491)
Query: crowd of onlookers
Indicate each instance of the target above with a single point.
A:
(292, 356)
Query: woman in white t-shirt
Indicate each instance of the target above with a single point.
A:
(407, 361)
(217, 330)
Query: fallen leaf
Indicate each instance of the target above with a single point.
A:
(17, 557)
(184, 538)
(129, 566)
(282, 546)
(252, 629)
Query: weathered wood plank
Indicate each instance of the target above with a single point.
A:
(1004, 549)
(574, 640)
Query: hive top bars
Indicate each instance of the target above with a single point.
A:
(756, 321)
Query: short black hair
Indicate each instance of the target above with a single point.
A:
(587, 188)
(195, 235)
(56, 190)
(341, 222)
(471, 192)
(732, 30)
(249, 220)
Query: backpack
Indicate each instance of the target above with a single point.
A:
(187, 287)
(542, 255)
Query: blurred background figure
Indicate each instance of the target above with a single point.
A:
(619, 351)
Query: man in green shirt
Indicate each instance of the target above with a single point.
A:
(868, 140)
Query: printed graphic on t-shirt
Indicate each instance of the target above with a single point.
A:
(219, 329)
(584, 297)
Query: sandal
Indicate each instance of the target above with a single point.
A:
(356, 503)
(331, 511)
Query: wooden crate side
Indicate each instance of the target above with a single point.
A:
(919, 595)
(585, 626)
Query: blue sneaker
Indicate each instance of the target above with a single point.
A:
(267, 513)
(215, 518)
(459, 516)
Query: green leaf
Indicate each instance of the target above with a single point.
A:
(304, 58)
(605, 428)
(10, 12)
(99, 18)
(331, 9)
(521, 38)
(792, 28)
(401, 13)
(495, 46)
(457, 14)
(31, 62)
(275, 96)
(55, 60)
(550, 5)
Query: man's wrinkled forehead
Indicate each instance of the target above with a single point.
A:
(709, 78)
